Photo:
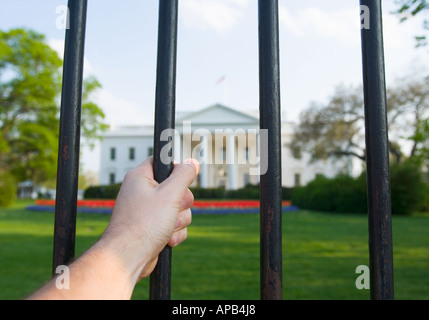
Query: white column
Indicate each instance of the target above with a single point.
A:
(230, 160)
(177, 147)
(204, 176)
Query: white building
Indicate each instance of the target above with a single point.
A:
(230, 138)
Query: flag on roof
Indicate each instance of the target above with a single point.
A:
(222, 79)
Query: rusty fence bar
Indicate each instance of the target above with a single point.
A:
(377, 155)
(165, 107)
(69, 139)
(270, 182)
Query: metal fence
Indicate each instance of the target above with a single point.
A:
(378, 180)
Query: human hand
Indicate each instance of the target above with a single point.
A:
(147, 215)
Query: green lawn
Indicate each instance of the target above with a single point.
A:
(220, 259)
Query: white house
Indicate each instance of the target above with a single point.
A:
(231, 138)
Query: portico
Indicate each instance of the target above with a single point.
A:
(220, 138)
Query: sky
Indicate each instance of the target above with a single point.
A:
(320, 49)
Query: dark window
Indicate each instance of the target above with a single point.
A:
(132, 153)
(112, 153)
(297, 179)
(112, 178)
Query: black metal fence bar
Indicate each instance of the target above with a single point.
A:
(160, 280)
(69, 140)
(270, 182)
(377, 153)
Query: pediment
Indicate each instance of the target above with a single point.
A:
(219, 114)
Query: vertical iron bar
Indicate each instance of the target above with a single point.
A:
(377, 155)
(69, 139)
(165, 107)
(270, 182)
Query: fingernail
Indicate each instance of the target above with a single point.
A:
(194, 163)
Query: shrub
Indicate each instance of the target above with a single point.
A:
(7, 189)
(249, 192)
(208, 193)
(409, 192)
(102, 192)
(340, 194)
(407, 188)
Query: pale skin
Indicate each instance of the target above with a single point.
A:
(147, 216)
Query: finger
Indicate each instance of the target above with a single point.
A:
(187, 201)
(180, 179)
(178, 237)
(146, 168)
(184, 219)
(194, 162)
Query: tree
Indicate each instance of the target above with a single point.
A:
(332, 130)
(410, 8)
(336, 129)
(30, 85)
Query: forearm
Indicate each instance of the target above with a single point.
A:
(99, 274)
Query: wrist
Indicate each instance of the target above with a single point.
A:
(129, 257)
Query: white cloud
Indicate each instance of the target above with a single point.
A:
(220, 15)
(400, 35)
(342, 25)
(118, 110)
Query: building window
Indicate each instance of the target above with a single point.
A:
(132, 153)
(149, 151)
(297, 179)
(111, 178)
(112, 153)
(247, 154)
(246, 179)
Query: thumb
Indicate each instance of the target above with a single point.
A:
(181, 177)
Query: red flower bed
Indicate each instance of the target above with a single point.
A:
(197, 203)
(81, 203)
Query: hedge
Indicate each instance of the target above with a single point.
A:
(102, 192)
(409, 192)
(340, 194)
(343, 193)
(248, 192)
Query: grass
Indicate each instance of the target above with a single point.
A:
(220, 259)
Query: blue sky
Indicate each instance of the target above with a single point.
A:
(319, 47)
